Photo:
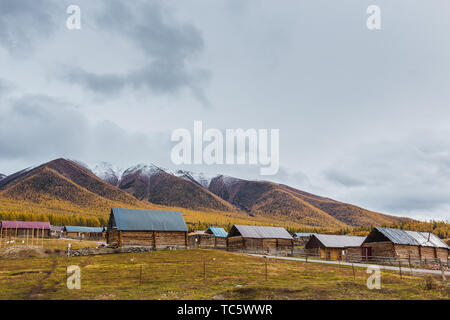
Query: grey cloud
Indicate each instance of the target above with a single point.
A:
(342, 178)
(169, 47)
(37, 125)
(408, 175)
(24, 22)
(5, 87)
(40, 128)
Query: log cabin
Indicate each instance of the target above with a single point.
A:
(333, 247)
(260, 239)
(405, 244)
(200, 239)
(24, 229)
(147, 228)
(86, 233)
(220, 237)
(212, 238)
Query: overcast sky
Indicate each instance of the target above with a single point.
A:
(364, 116)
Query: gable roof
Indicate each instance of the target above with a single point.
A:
(83, 229)
(218, 232)
(339, 241)
(26, 225)
(415, 238)
(148, 220)
(262, 232)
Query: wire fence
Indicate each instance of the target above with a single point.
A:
(409, 262)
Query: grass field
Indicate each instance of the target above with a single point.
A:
(181, 275)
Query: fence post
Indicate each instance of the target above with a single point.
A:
(140, 276)
(306, 258)
(400, 268)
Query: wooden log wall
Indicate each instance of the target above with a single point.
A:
(112, 237)
(203, 241)
(220, 243)
(164, 239)
(381, 249)
(235, 243)
(155, 239)
(442, 254)
(405, 251)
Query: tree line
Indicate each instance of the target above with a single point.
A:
(55, 219)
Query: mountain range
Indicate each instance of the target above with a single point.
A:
(66, 186)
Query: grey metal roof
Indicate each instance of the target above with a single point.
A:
(83, 229)
(338, 241)
(300, 234)
(415, 238)
(218, 232)
(263, 232)
(57, 228)
(148, 220)
(397, 236)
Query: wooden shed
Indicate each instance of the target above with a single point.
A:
(200, 239)
(85, 233)
(406, 244)
(333, 247)
(24, 229)
(260, 239)
(148, 228)
(212, 238)
(220, 237)
(301, 239)
(56, 231)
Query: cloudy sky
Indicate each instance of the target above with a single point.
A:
(364, 116)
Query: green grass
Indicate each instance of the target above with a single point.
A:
(180, 275)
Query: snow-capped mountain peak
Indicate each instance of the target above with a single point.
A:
(107, 172)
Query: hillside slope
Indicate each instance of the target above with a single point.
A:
(64, 186)
(152, 184)
(267, 198)
(67, 187)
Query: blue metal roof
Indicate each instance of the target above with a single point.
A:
(218, 232)
(300, 234)
(83, 229)
(148, 220)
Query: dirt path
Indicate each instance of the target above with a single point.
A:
(36, 290)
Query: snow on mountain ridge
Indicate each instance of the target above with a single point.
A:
(107, 172)
(143, 169)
